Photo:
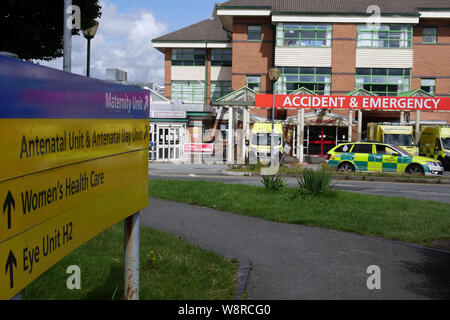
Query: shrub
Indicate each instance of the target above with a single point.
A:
(315, 182)
(273, 183)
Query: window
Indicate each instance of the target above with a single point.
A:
(315, 79)
(382, 149)
(304, 35)
(188, 57)
(428, 85)
(254, 33)
(362, 148)
(221, 57)
(344, 148)
(188, 91)
(254, 83)
(386, 36)
(399, 139)
(429, 35)
(383, 82)
(219, 89)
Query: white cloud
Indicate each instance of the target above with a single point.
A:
(123, 41)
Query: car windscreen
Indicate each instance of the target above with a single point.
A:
(399, 139)
(446, 143)
(263, 139)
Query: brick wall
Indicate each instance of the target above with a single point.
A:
(252, 57)
(432, 60)
(343, 59)
(167, 72)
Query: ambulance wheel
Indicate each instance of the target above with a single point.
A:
(415, 169)
(346, 167)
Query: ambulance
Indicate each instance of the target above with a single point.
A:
(259, 146)
(434, 143)
(395, 134)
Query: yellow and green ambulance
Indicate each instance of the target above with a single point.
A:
(380, 157)
(392, 133)
(260, 141)
(434, 143)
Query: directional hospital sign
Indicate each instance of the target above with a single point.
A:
(74, 162)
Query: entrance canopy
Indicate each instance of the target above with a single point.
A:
(241, 97)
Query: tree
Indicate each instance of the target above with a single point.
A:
(34, 29)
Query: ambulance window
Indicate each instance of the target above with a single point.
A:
(362, 148)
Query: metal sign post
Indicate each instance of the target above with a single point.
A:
(131, 256)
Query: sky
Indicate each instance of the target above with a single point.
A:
(123, 39)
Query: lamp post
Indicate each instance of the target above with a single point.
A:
(274, 74)
(89, 34)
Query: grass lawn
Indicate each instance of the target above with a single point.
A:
(389, 217)
(171, 269)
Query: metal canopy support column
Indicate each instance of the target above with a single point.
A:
(300, 134)
(246, 132)
(359, 124)
(350, 123)
(230, 137)
(417, 131)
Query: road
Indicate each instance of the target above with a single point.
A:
(432, 192)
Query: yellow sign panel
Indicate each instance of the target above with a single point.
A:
(33, 145)
(26, 256)
(34, 198)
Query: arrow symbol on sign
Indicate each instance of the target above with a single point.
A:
(7, 205)
(9, 265)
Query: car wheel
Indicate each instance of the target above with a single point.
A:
(346, 167)
(415, 169)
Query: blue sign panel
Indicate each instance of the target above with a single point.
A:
(30, 91)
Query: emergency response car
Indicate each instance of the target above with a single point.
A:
(380, 157)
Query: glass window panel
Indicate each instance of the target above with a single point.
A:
(251, 79)
(291, 42)
(307, 34)
(291, 26)
(379, 71)
(291, 34)
(427, 82)
(323, 70)
(308, 26)
(321, 34)
(306, 70)
(363, 71)
(363, 27)
(379, 80)
(291, 78)
(291, 70)
(429, 38)
(291, 86)
(307, 78)
(324, 26)
(254, 28)
(254, 36)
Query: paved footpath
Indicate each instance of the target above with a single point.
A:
(299, 262)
